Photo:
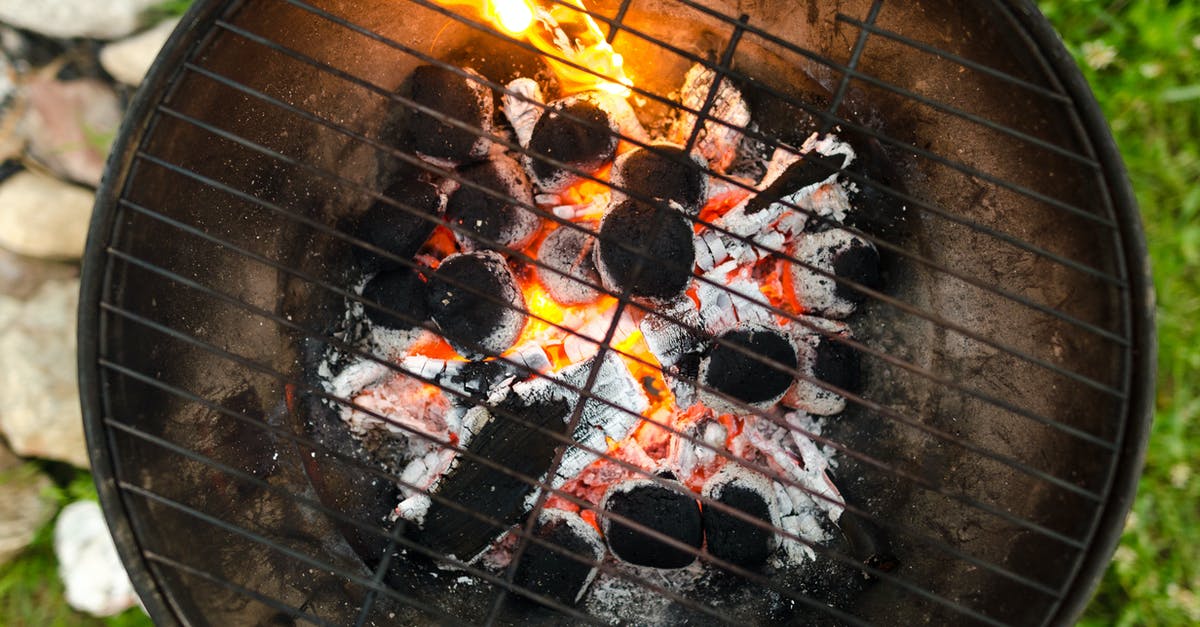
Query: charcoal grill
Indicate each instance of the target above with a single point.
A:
(986, 461)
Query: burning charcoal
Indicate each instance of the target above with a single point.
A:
(480, 489)
(400, 230)
(716, 142)
(677, 346)
(475, 380)
(585, 143)
(402, 295)
(843, 255)
(500, 222)
(569, 251)
(669, 511)
(657, 268)
(458, 98)
(662, 172)
(475, 301)
(825, 359)
(733, 539)
(523, 114)
(563, 578)
(752, 364)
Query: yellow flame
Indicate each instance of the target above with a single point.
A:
(563, 32)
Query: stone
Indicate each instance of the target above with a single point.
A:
(110, 19)
(40, 416)
(88, 563)
(70, 125)
(24, 505)
(128, 60)
(21, 276)
(43, 217)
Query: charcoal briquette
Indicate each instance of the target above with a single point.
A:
(660, 264)
(729, 537)
(663, 172)
(569, 251)
(843, 255)
(475, 301)
(577, 131)
(454, 97)
(399, 230)
(669, 510)
(751, 363)
(837, 364)
(400, 296)
(501, 219)
(563, 578)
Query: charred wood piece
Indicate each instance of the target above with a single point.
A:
(477, 326)
(731, 538)
(453, 97)
(501, 221)
(717, 143)
(659, 266)
(668, 510)
(399, 230)
(843, 255)
(564, 578)
(824, 358)
(396, 299)
(569, 251)
(662, 172)
(581, 131)
(753, 364)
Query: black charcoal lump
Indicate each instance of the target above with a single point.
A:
(475, 301)
(579, 131)
(568, 251)
(730, 537)
(645, 250)
(663, 172)
(400, 227)
(752, 364)
(452, 96)
(552, 574)
(667, 510)
(396, 299)
(500, 218)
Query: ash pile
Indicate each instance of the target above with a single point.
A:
(597, 352)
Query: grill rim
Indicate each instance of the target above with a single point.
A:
(1138, 381)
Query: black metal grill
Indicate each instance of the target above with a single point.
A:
(1009, 357)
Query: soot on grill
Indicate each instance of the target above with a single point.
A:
(669, 511)
(752, 364)
(500, 217)
(586, 140)
(659, 266)
(399, 230)
(663, 172)
(569, 251)
(475, 301)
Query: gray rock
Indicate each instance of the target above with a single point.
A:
(129, 59)
(88, 563)
(70, 125)
(40, 415)
(24, 505)
(21, 276)
(43, 217)
(99, 19)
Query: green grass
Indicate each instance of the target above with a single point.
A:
(1150, 92)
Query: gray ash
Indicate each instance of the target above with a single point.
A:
(399, 230)
(401, 295)
(660, 266)
(569, 251)
(563, 578)
(455, 97)
(474, 324)
(586, 142)
(506, 221)
(663, 172)
(758, 374)
(800, 174)
(670, 511)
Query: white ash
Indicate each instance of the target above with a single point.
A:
(585, 341)
(422, 474)
(716, 142)
(821, 294)
(730, 299)
(620, 595)
(673, 336)
(689, 456)
(523, 113)
(806, 395)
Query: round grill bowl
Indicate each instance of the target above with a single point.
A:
(1010, 365)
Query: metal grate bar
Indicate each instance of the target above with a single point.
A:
(657, 98)
(708, 502)
(272, 602)
(855, 57)
(959, 60)
(614, 27)
(757, 468)
(342, 346)
(877, 295)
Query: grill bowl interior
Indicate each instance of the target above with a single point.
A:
(1016, 296)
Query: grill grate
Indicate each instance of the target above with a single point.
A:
(126, 273)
